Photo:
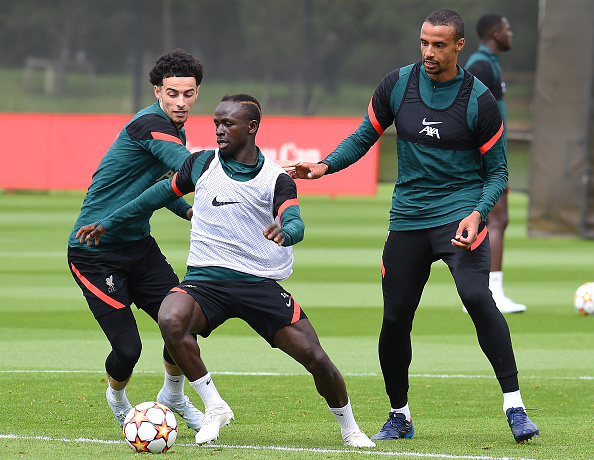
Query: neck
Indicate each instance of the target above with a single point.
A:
(492, 45)
(248, 155)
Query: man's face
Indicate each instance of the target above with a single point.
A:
(440, 51)
(176, 98)
(233, 127)
(503, 35)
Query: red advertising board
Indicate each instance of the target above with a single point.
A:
(61, 152)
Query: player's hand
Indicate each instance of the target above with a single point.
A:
(309, 171)
(275, 233)
(469, 227)
(190, 213)
(288, 165)
(89, 233)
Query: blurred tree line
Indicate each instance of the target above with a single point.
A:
(305, 42)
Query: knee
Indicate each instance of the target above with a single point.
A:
(475, 297)
(171, 324)
(395, 321)
(318, 363)
(122, 359)
(130, 354)
(126, 348)
(497, 223)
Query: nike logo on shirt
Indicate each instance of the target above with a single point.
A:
(429, 123)
(216, 202)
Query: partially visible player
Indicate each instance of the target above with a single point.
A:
(129, 266)
(496, 35)
(246, 218)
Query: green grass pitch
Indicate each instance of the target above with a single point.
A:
(52, 391)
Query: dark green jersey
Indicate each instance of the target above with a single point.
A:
(484, 65)
(148, 149)
(451, 149)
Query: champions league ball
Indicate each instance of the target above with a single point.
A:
(584, 299)
(150, 427)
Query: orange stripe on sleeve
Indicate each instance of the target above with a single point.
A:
(286, 204)
(479, 239)
(296, 312)
(373, 119)
(492, 141)
(165, 137)
(95, 290)
(177, 289)
(174, 186)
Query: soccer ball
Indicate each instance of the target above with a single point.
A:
(150, 427)
(584, 299)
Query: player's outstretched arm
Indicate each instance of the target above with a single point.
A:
(308, 171)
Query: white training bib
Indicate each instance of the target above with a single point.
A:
(228, 221)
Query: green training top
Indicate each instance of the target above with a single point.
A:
(148, 149)
(484, 65)
(450, 140)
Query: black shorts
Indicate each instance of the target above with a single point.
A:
(264, 305)
(138, 274)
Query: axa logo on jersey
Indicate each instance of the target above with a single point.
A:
(429, 128)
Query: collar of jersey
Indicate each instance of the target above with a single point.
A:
(241, 171)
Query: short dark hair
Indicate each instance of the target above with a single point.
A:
(448, 18)
(487, 23)
(251, 105)
(176, 63)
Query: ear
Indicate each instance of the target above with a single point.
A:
(253, 127)
(460, 45)
(158, 93)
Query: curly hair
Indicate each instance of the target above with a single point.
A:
(250, 104)
(176, 63)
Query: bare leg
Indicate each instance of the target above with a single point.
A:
(117, 385)
(496, 223)
(300, 341)
(172, 369)
(179, 316)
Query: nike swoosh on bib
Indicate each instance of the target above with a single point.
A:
(428, 123)
(216, 202)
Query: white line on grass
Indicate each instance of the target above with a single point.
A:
(280, 448)
(49, 438)
(349, 374)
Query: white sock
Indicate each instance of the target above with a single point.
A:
(205, 387)
(346, 419)
(403, 410)
(173, 385)
(496, 282)
(117, 396)
(512, 399)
